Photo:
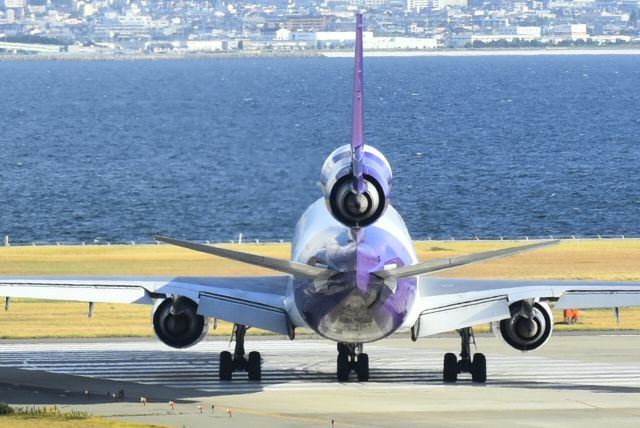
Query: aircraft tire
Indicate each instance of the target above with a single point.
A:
(343, 367)
(362, 367)
(225, 367)
(343, 349)
(479, 368)
(254, 366)
(450, 368)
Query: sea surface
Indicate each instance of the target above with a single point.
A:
(207, 149)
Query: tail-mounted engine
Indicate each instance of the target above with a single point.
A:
(347, 206)
(529, 327)
(177, 323)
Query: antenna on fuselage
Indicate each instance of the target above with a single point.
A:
(357, 130)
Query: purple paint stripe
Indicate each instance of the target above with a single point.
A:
(357, 131)
(364, 261)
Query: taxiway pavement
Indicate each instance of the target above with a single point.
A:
(586, 380)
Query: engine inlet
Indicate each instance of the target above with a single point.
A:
(356, 209)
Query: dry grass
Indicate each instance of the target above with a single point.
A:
(40, 319)
(22, 421)
(35, 318)
(599, 260)
(34, 416)
(129, 260)
(604, 260)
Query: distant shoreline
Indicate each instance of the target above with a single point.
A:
(492, 52)
(321, 54)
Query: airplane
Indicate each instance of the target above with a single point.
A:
(353, 278)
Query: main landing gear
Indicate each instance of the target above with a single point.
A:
(238, 362)
(351, 357)
(477, 367)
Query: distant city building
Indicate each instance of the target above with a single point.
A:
(418, 5)
(283, 34)
(126, 27)
(166, 25)
(11, 15)
(401, 43)
(571, 31)
(528, 33)
(15, 4)
(443, 4)
(330, 37)
(306, 23)
(375, 4)
(571, 4)
(15, 9)
(206, 45)
(470, 40)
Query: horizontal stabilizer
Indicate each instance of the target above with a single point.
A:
(433, 266)
(286, 266)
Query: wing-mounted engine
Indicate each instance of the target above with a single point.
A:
(177, 324)
(349, 207)
(529, 327)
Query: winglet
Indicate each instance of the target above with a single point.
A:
(357, 130)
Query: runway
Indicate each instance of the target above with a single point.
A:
(593, 374)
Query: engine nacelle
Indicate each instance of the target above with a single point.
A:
(524, 333)
(177, 324)
(347, 207)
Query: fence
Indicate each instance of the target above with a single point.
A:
(242, 240)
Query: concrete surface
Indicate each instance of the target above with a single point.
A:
(584, 380)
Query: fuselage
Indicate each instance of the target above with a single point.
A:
(352, 306)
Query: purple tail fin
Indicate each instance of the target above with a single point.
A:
(357, 131)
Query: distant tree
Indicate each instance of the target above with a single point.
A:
(27, 38)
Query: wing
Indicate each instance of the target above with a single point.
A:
(257, 301)
(450, 304)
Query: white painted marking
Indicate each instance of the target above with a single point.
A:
(292, 366)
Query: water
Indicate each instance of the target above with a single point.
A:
(480, 146)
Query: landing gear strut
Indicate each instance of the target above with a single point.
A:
(351, 357)
(477, 367)
(238, 362)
